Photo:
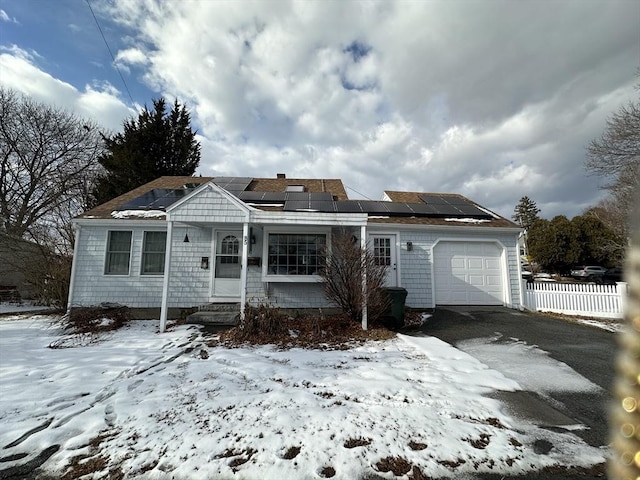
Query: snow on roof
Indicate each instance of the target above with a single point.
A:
(467, 220)
(138, 214)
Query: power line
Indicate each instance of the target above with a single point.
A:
(353, 189)
(126, 87)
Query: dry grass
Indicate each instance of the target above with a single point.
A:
(396, 465)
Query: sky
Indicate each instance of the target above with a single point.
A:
(491, 99)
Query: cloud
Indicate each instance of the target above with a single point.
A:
(99, 102)
(493, 100)
(4, 16)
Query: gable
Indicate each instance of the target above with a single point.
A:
(209, 204)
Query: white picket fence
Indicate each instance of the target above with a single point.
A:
(589, 300)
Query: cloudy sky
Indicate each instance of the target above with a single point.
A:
(490, 99)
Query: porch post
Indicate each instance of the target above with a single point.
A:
(72, 281)
(165, 282)
(363, 246)
(244, 266)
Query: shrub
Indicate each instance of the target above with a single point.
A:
(261, 321)
(96, 319)
(346, 264)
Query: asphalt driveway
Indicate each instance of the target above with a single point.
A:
(589, 351)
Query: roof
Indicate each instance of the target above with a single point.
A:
(318, 195)
(280, 184)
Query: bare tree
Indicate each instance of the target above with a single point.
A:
(47, 156)
(347, 262)
(48, 162)
(616, 156)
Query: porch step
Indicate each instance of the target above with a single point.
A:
(216, 314)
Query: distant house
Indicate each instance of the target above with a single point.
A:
(17, 258)
(181, 242)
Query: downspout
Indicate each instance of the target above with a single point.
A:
(72, 280)
(363, 248)
(165, 282)
(243, 267)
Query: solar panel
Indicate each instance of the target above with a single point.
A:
(421, 209)
(250, 196)
(274, 197)
(372, 206)
(156, 199)
(293, 205)
(456, 201)
(321, 196)
(323, 205)
(447, 210)
(433, 199)
(348, 206)
(399, 208)
(297, 196)
(473, 211)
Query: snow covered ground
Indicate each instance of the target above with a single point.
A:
(160, 406)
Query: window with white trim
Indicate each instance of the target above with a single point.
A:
(296, 253)
(118, 252)
(153, 253)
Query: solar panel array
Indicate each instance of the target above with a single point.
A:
(156, 199)
(434, 205)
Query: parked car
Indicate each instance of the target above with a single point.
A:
(613, 275)
(591, 273)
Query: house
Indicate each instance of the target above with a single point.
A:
(181, 242)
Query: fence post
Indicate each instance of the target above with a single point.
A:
(622, 294)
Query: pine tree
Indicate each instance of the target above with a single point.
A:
(155, 144)
(526, 212)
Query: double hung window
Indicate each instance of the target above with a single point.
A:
(118, 253)
(153, 251)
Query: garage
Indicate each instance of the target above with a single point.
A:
(468, 273)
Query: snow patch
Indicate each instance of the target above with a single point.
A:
(138, 213)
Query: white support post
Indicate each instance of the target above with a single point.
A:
(243, 268)
(363, 246)
(72, 280)
(622, 289)
(165, 283)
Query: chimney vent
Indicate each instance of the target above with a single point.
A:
(281, 175)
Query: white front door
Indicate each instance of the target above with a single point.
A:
(384, 253)
(227, 264)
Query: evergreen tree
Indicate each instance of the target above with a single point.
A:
(526, 212)
(155, 144)
(554, 244)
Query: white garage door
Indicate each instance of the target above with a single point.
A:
(468, 273)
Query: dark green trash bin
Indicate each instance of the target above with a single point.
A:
(396, 310)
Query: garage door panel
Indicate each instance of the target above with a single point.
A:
(468, 273)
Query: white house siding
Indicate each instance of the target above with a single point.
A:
(92, 286)
(283, 295)
(415, 265)
(208, 206)
(189, 284)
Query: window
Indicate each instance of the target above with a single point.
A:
(118, 253)
(382, 251)
(295, 188)
(230, 249)
(296, 254)
(153, 249)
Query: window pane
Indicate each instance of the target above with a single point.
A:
(295, 254)
(153, 253)
(118, 253)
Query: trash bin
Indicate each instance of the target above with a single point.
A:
(397, 295)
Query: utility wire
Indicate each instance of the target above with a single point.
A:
(126, 87)
(362, 194)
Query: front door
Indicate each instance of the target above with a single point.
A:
(384, 253)
(227, 264)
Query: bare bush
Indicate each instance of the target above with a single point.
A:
(261, 321)
(346, 265)
(96, 319)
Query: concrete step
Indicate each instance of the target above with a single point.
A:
(220, 307)
(214, 318)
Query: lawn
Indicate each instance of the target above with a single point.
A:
(135, 403)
